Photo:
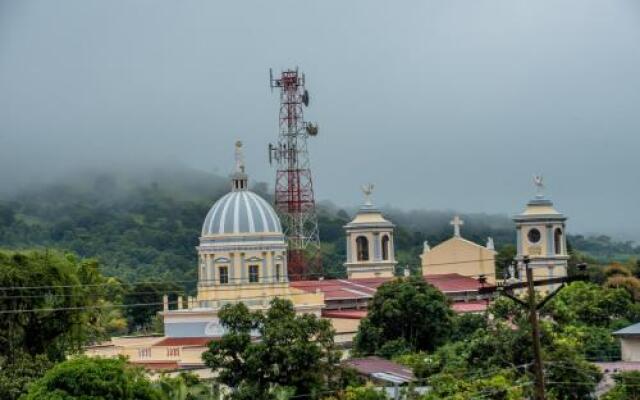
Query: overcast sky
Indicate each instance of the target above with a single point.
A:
(443, 104)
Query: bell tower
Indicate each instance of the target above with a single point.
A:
(540, 234)
(370, 250)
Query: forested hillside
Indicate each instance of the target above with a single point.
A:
(145, 226)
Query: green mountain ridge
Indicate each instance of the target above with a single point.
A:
(145, 225)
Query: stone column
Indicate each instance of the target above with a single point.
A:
(392, 248)
(519, 240)
(550, 241)
(377, 256)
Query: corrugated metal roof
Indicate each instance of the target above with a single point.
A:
(372, 366)
(629, 330)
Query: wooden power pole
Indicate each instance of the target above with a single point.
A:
(535, 333)
(533, 307)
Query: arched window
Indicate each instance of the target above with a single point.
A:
(254, 274)
(385, 247)
(362, 245)
(557, 240)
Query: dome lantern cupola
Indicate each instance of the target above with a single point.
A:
(239, 179)
(541, 236)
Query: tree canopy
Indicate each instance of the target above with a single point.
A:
(405, 314)
(85, 378)
(277, 349)
(52, 303)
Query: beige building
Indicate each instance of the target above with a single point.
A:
(370, 250)
(460, 256)
(629, 342)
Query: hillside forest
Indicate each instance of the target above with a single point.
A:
(146, 226)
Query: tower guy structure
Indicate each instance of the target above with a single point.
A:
(294, 197)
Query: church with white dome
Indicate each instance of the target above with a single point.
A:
(242, 257)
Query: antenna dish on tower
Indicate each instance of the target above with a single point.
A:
(312, 130)
(305, 98)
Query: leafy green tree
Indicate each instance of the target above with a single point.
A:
(590, 304)
(85, 378)
(504, 258)
(51, 303)
(593, 342)
(502, 385)
(407, 312)
(465, 325)
(15, 376)
(185, 386)
(627, 387)
(141, 318)
(293, 351)
(360, 393)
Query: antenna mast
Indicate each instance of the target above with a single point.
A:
(294, 196)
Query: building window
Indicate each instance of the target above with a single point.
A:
(533, 235)
(278, 272)
(253, 274)
(173, 352)
(557, 240)
(385, 247)
(223, 273)
(144, 352)
(362, 245)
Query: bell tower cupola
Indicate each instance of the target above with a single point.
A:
(541, 235)
(370, 250)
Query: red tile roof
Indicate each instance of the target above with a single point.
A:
(185, 341)
(372, 365)
(346, 314)
(363, 288)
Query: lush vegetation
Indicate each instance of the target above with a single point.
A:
(406, 314)
(146, 227)
(86, 378)
(101, 244)
(51, 305)
(296, 354)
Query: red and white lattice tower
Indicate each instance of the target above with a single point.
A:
(294, 196)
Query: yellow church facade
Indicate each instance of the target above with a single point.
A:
(461, 256)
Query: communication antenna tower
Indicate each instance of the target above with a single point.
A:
(294, 196)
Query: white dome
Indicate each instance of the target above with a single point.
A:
(239, 212)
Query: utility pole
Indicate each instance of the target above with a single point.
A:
(535, 332)
(533, 307)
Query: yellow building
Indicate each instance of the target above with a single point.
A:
(540, 235)
(460, 256)
(370, 251)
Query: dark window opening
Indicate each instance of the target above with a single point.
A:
(362, 245)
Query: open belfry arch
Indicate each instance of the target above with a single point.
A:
(370, 250)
